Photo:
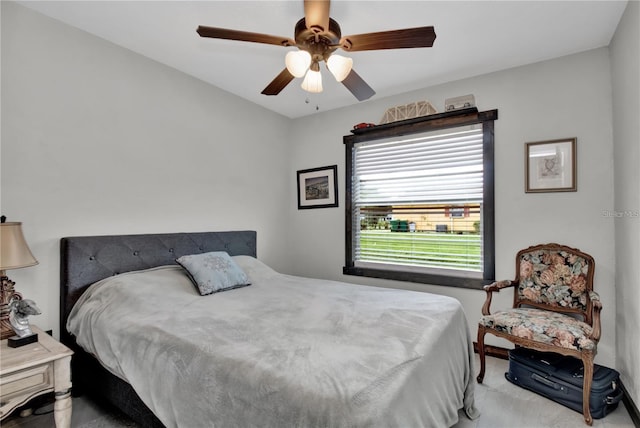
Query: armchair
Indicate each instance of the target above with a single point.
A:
(554, 308)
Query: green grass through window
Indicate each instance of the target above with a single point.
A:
(427, 249)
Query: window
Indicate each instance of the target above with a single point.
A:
(420, 200)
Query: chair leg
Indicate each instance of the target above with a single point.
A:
(587, 361)
(481, 333)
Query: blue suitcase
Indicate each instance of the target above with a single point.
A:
(560, 379)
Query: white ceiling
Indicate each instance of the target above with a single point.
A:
(473, 37)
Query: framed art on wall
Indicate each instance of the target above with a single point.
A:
(318, 187)
(551, 166)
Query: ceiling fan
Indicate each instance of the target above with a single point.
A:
(317, 37)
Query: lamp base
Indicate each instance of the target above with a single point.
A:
(17, 341)
(6, 331)
(7, 295)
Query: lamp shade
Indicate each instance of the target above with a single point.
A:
(339, 66)
(312, 82)
(297, 62)
(14, 251)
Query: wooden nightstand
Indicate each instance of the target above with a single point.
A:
(36, 369)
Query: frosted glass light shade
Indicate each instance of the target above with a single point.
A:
(297, 62)
(312, 82)
(339, 66)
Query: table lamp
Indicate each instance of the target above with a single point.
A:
(14, 254)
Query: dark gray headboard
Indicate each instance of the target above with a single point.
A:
(87, 259)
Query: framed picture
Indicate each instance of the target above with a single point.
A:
(318, 187)
(551, 166)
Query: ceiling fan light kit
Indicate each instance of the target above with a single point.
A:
(317, 36)
(312, 82)
(298, 62)
(340, 66)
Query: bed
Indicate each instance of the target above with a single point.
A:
(282, 351)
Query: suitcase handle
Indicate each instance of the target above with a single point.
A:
(613, 399)
(546, 382)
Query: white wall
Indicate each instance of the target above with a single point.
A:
(625, 66)
(566, 97)
(99, 140)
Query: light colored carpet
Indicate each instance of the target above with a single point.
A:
(502, 404)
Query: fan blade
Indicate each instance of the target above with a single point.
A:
(243, 36)
(316, 15)
(420, 37)
(279, 83)
(357, 86)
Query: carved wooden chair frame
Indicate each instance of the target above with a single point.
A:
(591, 316)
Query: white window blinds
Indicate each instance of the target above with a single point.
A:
(434, 167)
(417, 201)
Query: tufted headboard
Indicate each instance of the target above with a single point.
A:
(87, 259)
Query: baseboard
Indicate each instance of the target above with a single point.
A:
(503, 353)
(631, 406)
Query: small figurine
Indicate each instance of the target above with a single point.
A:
(20, 310)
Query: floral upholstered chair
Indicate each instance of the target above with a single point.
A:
(554, 308)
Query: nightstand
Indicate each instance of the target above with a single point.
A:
(36, 369)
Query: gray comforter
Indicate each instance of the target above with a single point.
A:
(284, 352)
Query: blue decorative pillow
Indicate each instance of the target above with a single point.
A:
(213, 272)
